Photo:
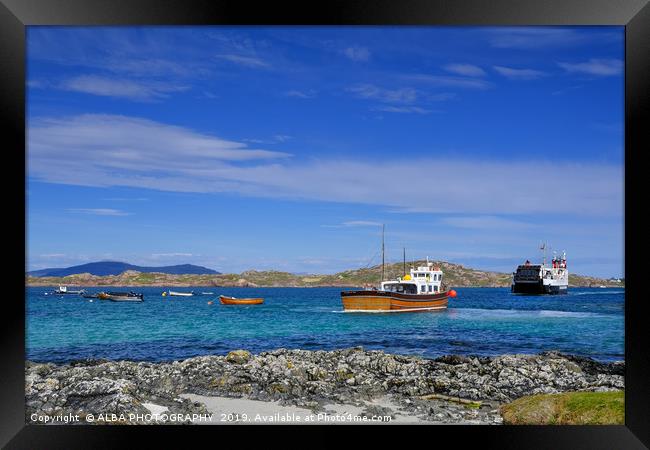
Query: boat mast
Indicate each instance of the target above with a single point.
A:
(404, 262)
(383, 226)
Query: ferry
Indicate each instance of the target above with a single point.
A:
(420, 290)
(537, 279)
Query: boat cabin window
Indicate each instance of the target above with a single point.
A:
(435, 288)
(422, 288)
(430, 288)
(405, 288)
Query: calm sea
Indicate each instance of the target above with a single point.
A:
(480, 321)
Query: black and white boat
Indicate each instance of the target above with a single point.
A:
(535, 279)
(121, 296)
(63, 290)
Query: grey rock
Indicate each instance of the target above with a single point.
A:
(314, 378)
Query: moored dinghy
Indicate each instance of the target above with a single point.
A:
(181, 294)
(225, 300)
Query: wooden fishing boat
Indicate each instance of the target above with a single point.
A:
(420, 290)
(225, 300)
(121, 296)
(377, 300)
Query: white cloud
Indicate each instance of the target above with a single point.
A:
(99, 211)
(357, 53)
(121, 151)
(519, 74)
(468, 70)
(600, 67)
(372, 92)
(247, 61)
(110, 87)
(113, 144)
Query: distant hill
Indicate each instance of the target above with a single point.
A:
(455, 275)
(104, 268)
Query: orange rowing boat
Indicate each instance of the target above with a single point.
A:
(240, 301)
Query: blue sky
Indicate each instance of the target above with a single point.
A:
(287, 147)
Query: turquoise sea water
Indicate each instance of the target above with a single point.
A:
(480, 321)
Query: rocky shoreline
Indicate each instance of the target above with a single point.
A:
(448, 389)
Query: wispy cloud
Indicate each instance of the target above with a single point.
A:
(99, 211)
(599, 67)
(282, 137)
(127, 199)
(113, 143)
(355, 224)
(372, 92)
(468, 70)
(449, 81)
(310, 93)
(486, 223)
(538, 37)
(276, 139)
(567, 89)
(403, 109)
(247, 61)
(127, 51)
(111, 87)
(519, 74)
(120, 151)
(356, 53)
(170, 255)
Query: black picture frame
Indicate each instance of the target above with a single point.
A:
(15, 15)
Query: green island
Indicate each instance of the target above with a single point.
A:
(455, 275)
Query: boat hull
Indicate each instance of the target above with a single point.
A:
(379, 301)
(240, 301)
(537, 288)
(125, 299)
(120, 298)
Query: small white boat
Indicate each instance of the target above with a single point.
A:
(181, 294)
(63, 290)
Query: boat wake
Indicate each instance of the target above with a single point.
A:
(597, 293)
(523, 313)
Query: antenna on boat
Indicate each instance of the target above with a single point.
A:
(404, 262)
(383, 226)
